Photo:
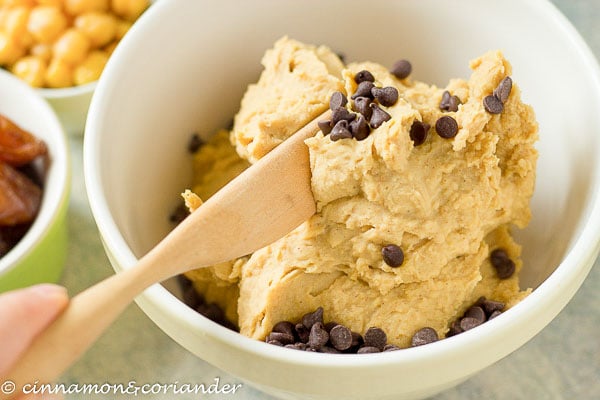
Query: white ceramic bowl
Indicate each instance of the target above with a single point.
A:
(154, 94)
(71, 104)
(40, 255)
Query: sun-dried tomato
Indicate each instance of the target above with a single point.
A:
(20, 198)
(17, 146)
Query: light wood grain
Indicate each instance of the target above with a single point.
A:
(261, 205)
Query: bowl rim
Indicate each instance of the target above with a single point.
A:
(56, 187)
(71, 91)
(569, 274)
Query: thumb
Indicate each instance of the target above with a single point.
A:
(24, 313)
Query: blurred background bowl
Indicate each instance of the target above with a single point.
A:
(71, 104)
(153, 95)
(40, 255)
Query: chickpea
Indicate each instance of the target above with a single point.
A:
(10, 49)
(129, 9)
(91, 68)
(17, 3)
(59, 74)
(51, 3)
(41, 51)
(31, 69)
(100, 28)
(72, 46)
(15, 21)
(46, 23)
(77, 7)
(122, 28)
(110, 48)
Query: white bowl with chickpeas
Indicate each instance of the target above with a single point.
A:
(62, 46)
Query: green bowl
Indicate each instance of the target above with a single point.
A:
(40, 255)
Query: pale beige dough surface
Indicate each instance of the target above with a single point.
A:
(447, 203)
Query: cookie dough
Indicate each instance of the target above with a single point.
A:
(447, 202)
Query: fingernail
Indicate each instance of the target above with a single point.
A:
(49, 290)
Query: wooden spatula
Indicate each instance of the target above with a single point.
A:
(261, 205)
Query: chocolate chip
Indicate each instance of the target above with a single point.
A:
(297, 346)
(387, 96)
(283, 338)
(368, 349)
(390, 347)
(418, 132)
(338, 99)
(361, 105)
(379, 116)
(363, 76)
(489, 306)
(195, 143)
(375, 337)
(284, 327)
(477, 313)
(328, 350)
(341, 130)
(318, 336)
(341, 114)
(505, 267)
(446, 127)
(401, 69)
(211, 311)
(325, 127)
(449, 102)
(424, 336)
(467, 323)
(192, 298)
(340, 337)
(179, 214)
(360, 128)
(503, 90)
(275, 342)
(392, 255)
(330, 325)
(302, 332)
(492, 104)
(357, 339)
(309, 319)
(494, 314)
(363, 90)
(455, 329)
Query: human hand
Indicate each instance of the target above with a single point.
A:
(24, 314)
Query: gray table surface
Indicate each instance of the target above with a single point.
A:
(562, 362)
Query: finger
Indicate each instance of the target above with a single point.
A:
(23, 314)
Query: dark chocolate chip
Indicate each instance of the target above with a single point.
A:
(283, 338)
(330, 325)
(390, 347)
(446, 127)
(467, 323)
(341, 114)
(297, 346)
(341, 130)
(179, 214)
(455, 329)
(494, 314)
(361, 105)
(401, 69)
(325, 127)
(318, 336)
(363, 76)
(424, 336)
(505, 267)
(357, 339)
(360, 128)
(387, 96)
(489, 306)
(338, 99)
(449, 102)
(275, 342)
(192, 298)
(379, 116)
(340, 337)
(503, 90)
(418, 132)
(492, 104)
(328, 350)
(302, 332)
(392, 255)
(195, 143)
(368, 349)
(363, 90)
(310, 349)
(476, 312)
(309, 319)
(375, 337)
